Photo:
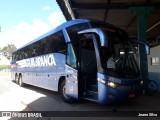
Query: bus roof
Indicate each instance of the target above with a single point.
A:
(62, 26)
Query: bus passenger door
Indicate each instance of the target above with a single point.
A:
(71, 73)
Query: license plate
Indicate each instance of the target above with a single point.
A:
(132, 95)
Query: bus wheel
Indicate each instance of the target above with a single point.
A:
(16, 78)
(20, 82)
(153, 86)
(63, 93)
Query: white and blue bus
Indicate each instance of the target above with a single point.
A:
(75, 60)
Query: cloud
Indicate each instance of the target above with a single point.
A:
(24, 32)
(54, 18)
(47, 8)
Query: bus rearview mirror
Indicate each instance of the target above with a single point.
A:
(100, 32)
(145, 45)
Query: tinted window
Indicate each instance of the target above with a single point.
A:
(51, 44)
(73, 33)
(54, 43)
(117, 58)
(71, 59)
(13, 56)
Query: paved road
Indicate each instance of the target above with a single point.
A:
(29, 98)
(4, 87)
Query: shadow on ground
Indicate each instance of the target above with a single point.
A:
(53, 102)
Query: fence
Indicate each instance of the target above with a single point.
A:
(5, 72)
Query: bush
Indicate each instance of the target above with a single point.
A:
(5, 66)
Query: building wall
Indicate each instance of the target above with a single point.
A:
(154, 69)
(4, 60)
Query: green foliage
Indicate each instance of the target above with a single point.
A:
(5, 66)
(7, 50)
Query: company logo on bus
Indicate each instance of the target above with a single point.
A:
(46, 60)
(114, 80)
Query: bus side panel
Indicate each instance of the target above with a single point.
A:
(27, 75)
(71, 82)
(13, 72)
(44, 74)
(55, 71)
(37, 77)
(25, 72)
(13, 75)
(49, 78)
(13, 69)
(102, 93)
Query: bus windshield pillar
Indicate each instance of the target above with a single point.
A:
(141, 13)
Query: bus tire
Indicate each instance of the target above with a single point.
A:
(16, 78)
(20, 82)
(152, 86)
(63, 95)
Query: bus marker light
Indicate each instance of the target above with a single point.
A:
(101, 80)
(132, 95)
(74, 81)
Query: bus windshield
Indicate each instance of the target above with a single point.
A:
(117, 59)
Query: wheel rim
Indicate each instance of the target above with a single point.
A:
(20, 81)
(64, 92)
(16, 78)
(152, 86)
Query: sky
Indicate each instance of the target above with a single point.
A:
(21, 21)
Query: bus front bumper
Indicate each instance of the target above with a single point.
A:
(108, 95)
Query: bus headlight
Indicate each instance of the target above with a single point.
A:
(112, 84)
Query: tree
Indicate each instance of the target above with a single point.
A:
(7, 50)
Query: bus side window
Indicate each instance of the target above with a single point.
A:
(61, 43)
(14, 56)
(72, 32)
(57, 43)
(71, 58)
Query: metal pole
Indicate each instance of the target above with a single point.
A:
(141, 13)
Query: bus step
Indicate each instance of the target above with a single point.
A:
(93, 94)
(91, 98)
(94, 88)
